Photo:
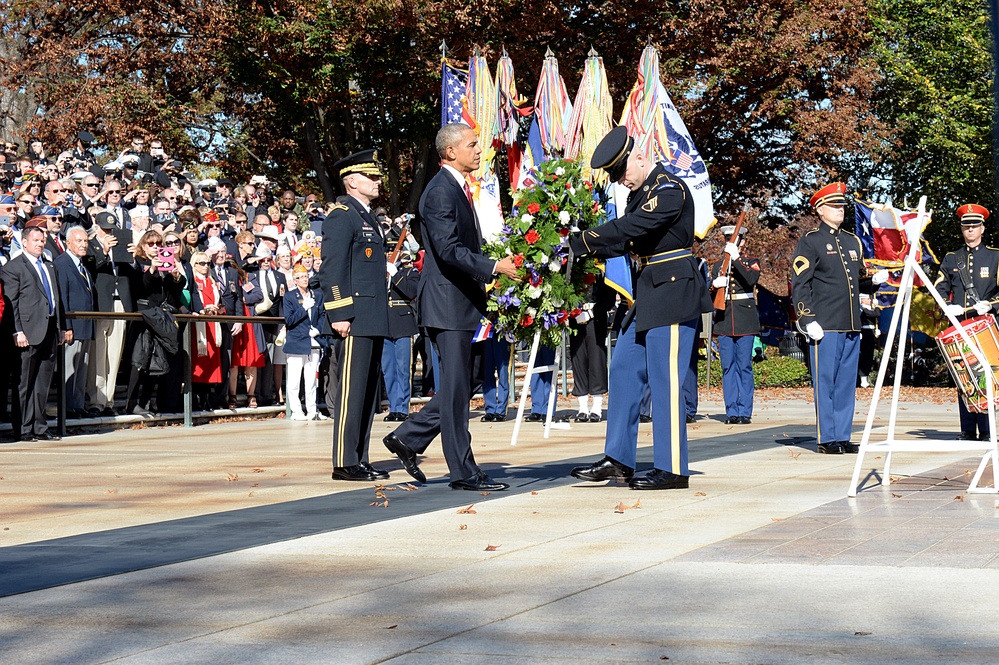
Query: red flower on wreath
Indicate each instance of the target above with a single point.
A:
(589, 278)
(563, 232)
(533, 208)
(518, 260)
(553, 207)
(532, 237)
(563, 316)
(576, 312)
(527, 320)
(596, 207)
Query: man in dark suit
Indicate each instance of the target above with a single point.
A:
(77, 293)
(29, 283)
(114, 271)
(452, 301)
(352, 281)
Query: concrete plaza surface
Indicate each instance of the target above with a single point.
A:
(229, 543)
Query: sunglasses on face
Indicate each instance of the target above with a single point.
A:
(90, 184)
(114, 191)
(154, 243)
(172, 243)
(201, 263)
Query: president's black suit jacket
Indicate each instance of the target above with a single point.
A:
(23, 288)
(452, 293)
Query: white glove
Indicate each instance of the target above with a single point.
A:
(583, 317)
(308, 302)
(390, 269)
(732, 250)
(954, 310)
(815, 331)
(720, 282)
(880, 277)
(313, 331)
(982, 307)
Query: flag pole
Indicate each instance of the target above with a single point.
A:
(443, 49)
(994, 24)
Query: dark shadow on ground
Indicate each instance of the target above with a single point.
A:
(50, 563)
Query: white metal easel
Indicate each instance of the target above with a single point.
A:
(531, 371)
(890, 445)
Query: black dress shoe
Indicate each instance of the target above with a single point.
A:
(660, 480)
(732, 420)
(605, 469)
(690, 419)
(373, 472)
(405, 455)
(595, 417)
(489, 418)
(109, 412)
(351, 473)
(852, 448)
(833, 448)
(581, 417)
(967, 436)
(648, 419)
(47, 437)
(480, 482)
(534, 418)
(745, 420)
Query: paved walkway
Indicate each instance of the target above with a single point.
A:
(229, 543)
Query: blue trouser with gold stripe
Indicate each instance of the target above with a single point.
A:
(834, 383)
(737, 374)
(660, 358)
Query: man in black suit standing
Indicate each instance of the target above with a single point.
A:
(452, 301)
(76, 289)
(353, 282)
(29, 282)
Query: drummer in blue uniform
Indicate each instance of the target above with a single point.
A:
(968, 279)
(658, 334)
(737, 327)
(826, 275)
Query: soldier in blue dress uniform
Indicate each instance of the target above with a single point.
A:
(969, 278)
(826, 277)
(352, 279)
(398, 347)
(657, 337)
(737, 327)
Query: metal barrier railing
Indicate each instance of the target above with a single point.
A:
(185, 348)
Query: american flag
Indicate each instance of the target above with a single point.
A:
(453, 84)
(681, 160)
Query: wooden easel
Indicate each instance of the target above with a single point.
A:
(897, 332)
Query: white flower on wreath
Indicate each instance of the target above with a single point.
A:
(543, 259)
(560, 171)
(572, 190)
(557, 303)
(532, 311)
(526, 218)
(533, 292)
(555, 266)
(563, 216)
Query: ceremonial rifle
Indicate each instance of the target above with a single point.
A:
(402, 238)
(727, 261)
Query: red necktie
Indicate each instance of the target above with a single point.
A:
(58, 243)
(468, 195)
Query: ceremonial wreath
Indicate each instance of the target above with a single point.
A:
(556, 202)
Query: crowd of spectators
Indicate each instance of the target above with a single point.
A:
(139, 233)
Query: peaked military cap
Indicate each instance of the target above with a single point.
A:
(972, 214)
(612, 152)
(105, 220)
(364, 162)
(833, 194)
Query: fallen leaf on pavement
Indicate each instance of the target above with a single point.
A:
(380, 494)
(777, 519)
(379, 504)
(232, 477)
(862, 633)
(466, 511)
(395, 625)
(462, 527)
(250, 494)
(699, 494)
(959, 497)
(111, 492)
(492, 548)
(408, 487)
(532, 493)
(897, 496)
(258, 470)
(485, 493)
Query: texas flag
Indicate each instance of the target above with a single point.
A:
(881, 229)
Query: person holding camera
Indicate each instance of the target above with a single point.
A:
(82, 150)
